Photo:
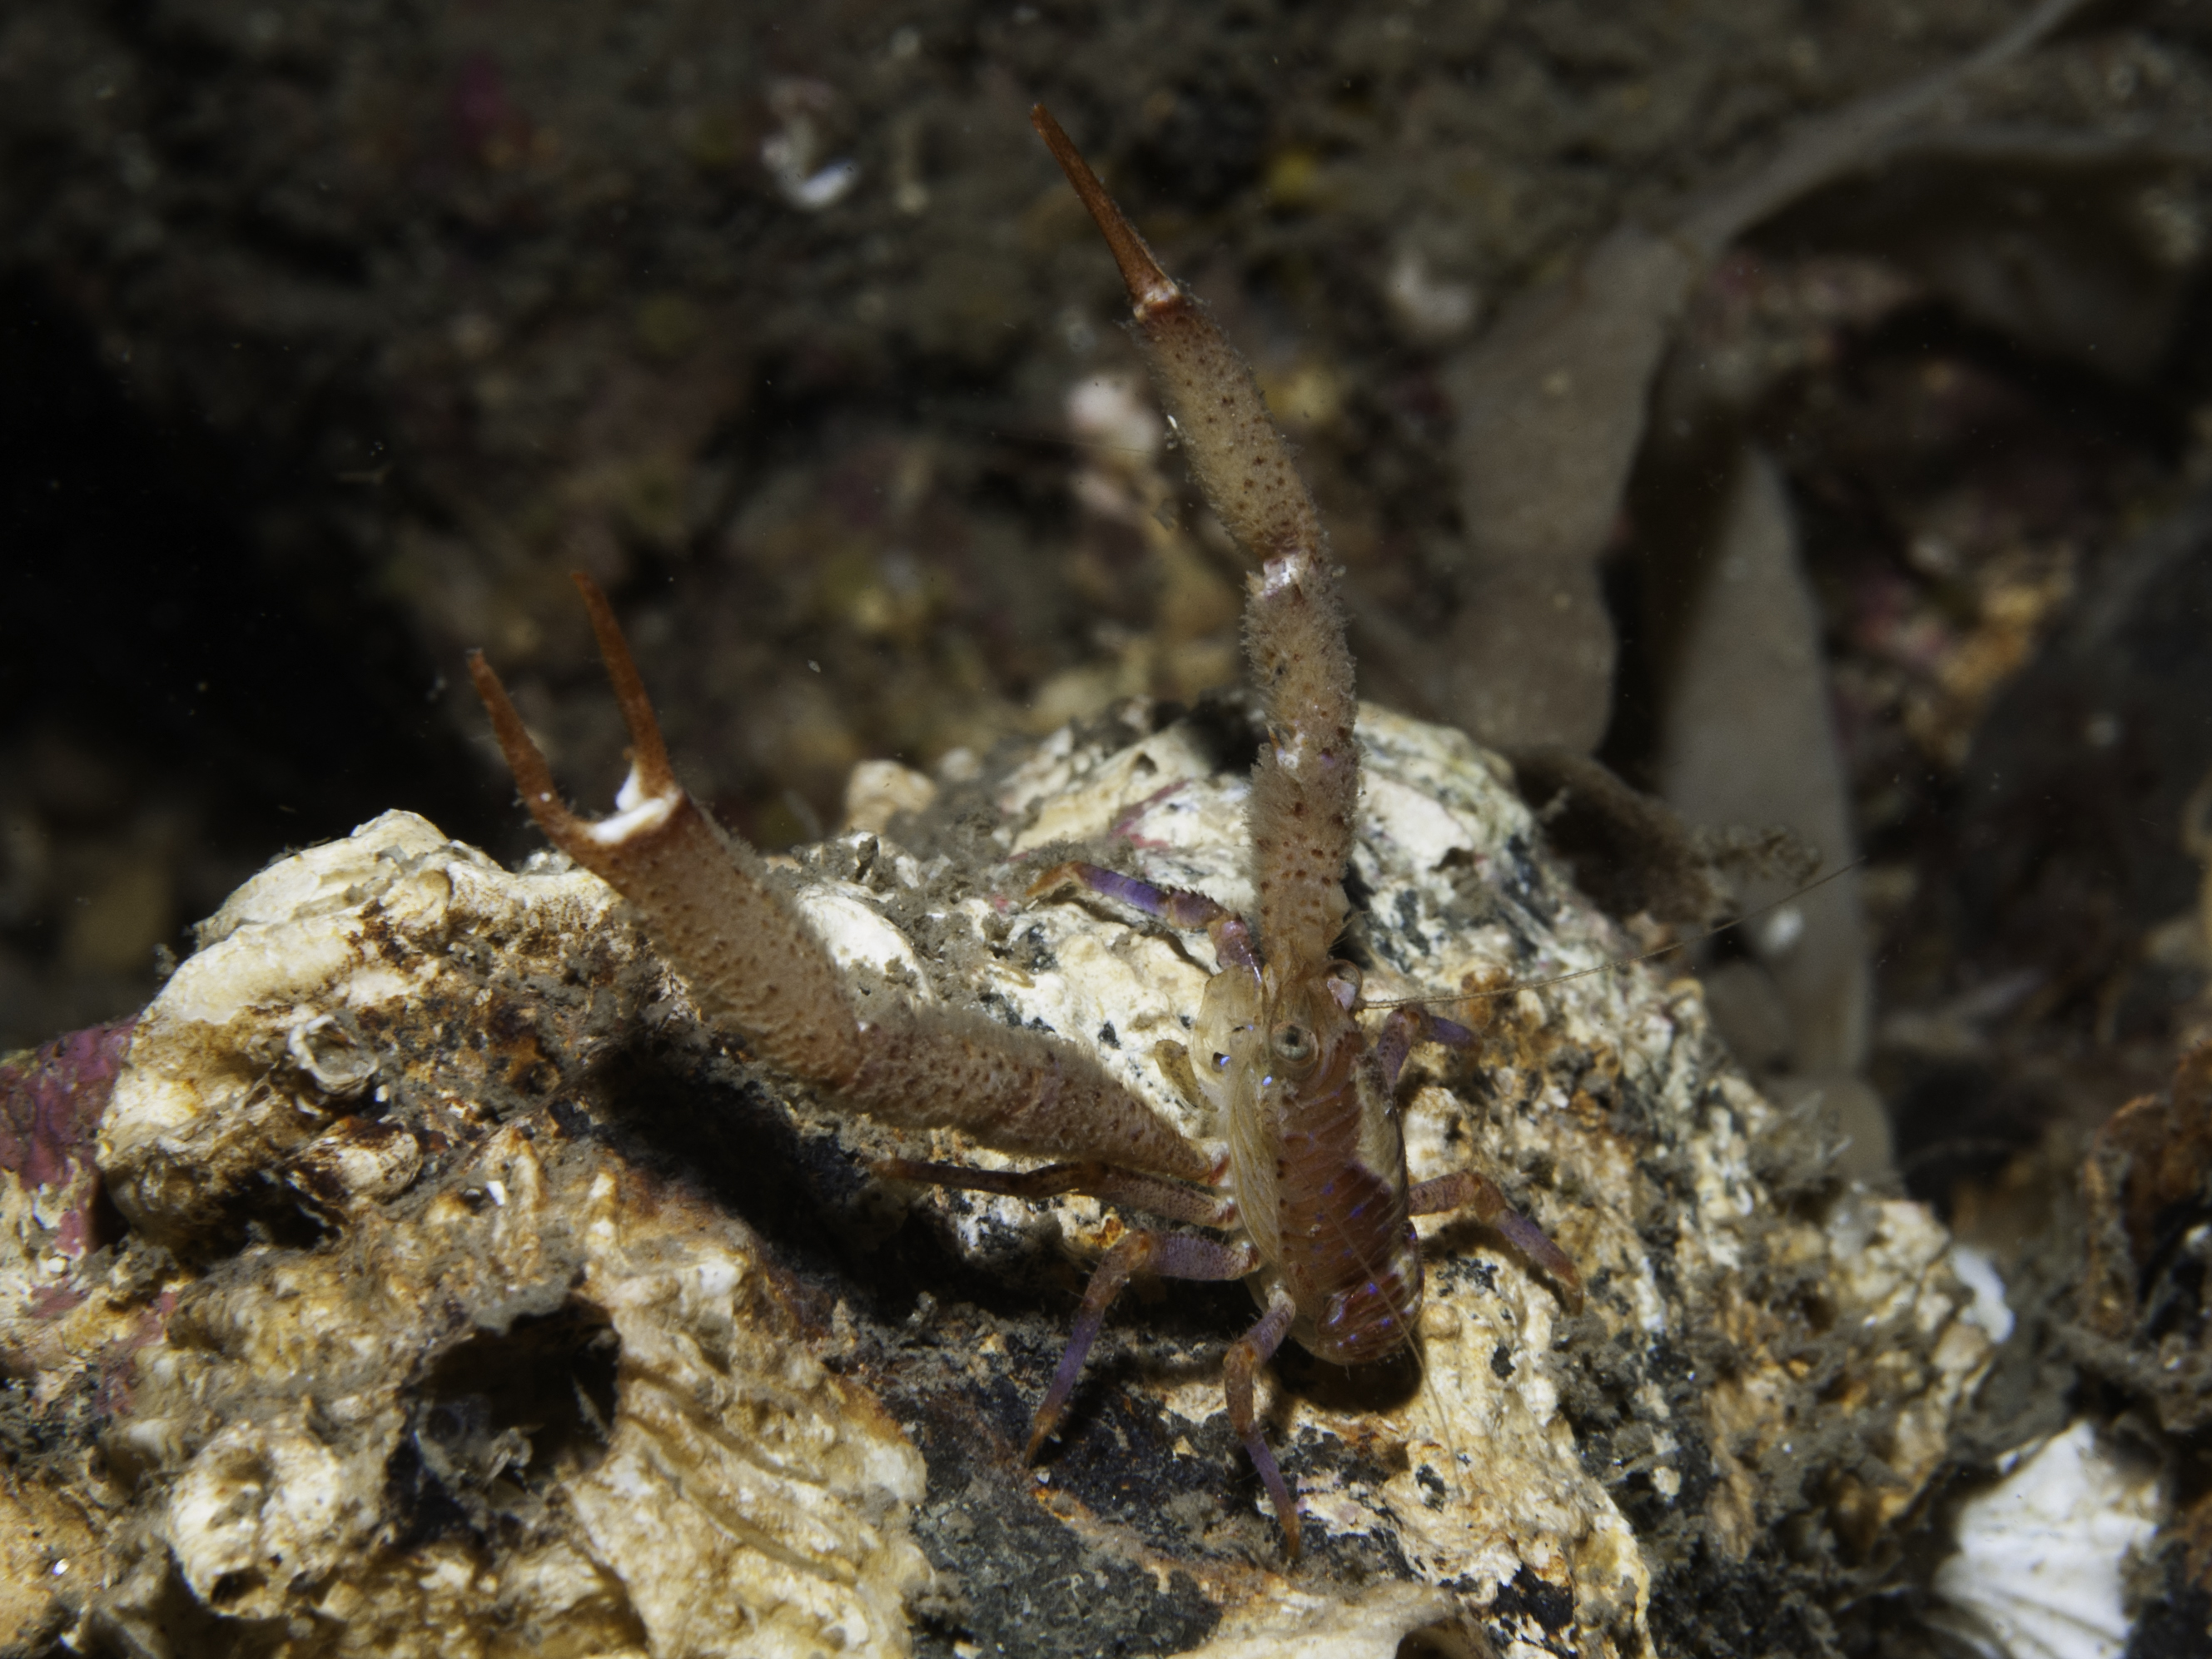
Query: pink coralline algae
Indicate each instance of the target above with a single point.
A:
(51, 1102)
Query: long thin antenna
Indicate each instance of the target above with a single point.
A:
(1622, 962)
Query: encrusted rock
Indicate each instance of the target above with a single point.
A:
(476, 1298)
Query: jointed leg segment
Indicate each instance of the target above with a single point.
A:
(1250, 1351)
(1408, 1027)
(1463, 1190)
(1176, 906)
(1171, 1199)
(1171, 1255)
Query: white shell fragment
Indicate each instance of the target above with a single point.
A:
(2041, 1554)
(476, 1297)
(260, 1509)
(880, 790)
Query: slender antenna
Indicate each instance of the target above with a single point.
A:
(1623, 961)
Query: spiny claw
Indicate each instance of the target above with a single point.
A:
(533, 776)
(650, 772)
(651, 789)
(1148, 284)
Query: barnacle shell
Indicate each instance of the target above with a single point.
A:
(497, 1303)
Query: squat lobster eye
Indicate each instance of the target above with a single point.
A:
(1292, 1042)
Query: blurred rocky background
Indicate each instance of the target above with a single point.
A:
(1805, 410)
(1872, 503)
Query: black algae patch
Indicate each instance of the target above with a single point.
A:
(1705, 1604)
(1023, 1582)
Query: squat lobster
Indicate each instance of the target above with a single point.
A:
(1315, 1175)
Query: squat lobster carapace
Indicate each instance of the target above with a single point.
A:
(1314, 1191)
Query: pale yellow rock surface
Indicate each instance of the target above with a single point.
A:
(475, 1300)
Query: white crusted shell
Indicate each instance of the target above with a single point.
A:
(2038, 1573)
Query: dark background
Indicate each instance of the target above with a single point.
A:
(333, 336)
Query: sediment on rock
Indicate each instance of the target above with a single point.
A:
(469, 1295)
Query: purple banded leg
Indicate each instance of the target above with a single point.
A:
(1450, 1032)
(1466, 1190)
(1400, 1031)
(1139, 1192)
(1250, 1351)
(1176, 906)
(1171, 1255)
(1407, 1027)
